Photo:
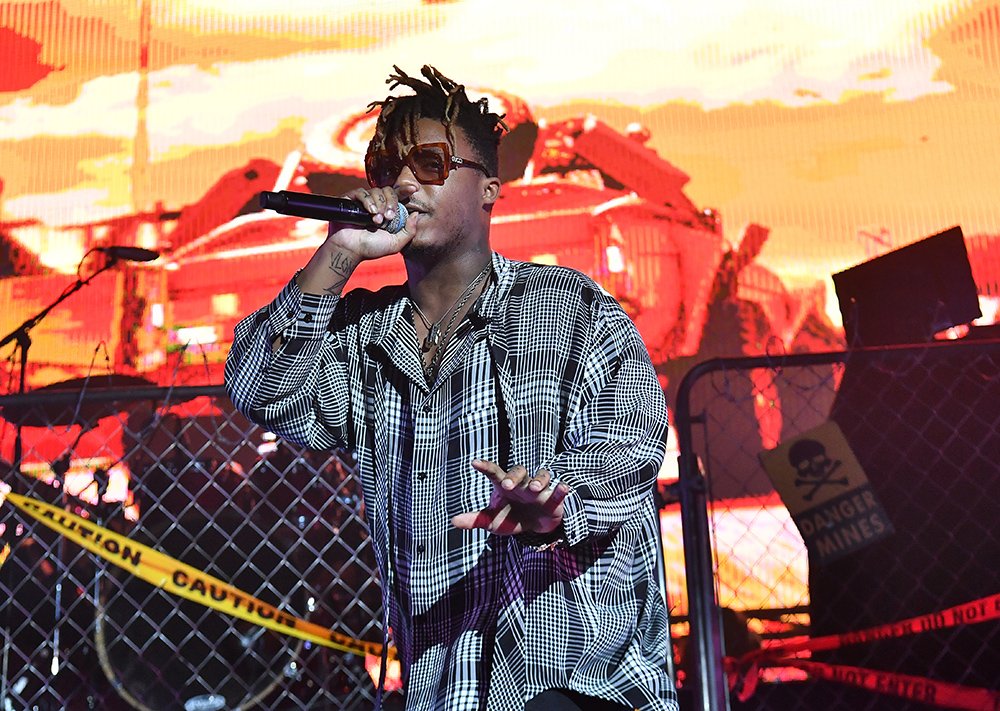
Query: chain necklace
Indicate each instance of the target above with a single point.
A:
(435, 336)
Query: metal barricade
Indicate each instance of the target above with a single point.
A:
(924, 425)
(179, 470)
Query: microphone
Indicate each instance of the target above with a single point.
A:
(130, 254)
(330, 209)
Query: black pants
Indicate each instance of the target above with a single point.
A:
(564, 700)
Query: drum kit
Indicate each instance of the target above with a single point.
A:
(81, 633)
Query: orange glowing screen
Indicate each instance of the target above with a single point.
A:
(651, 136)
(683, 154)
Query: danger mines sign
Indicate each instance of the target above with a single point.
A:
(827, 493)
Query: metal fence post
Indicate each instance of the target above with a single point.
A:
(703, 607)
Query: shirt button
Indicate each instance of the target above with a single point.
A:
(421, 475)
(421, 548)
(307, 318)
(427, 407)
(291, 313)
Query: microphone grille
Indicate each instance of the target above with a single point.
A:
(399, 222)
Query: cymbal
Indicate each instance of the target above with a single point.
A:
(42, 407)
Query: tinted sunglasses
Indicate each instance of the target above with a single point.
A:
(430, 164)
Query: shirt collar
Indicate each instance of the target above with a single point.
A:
(491, 303)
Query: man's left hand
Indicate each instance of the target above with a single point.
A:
(519, 503)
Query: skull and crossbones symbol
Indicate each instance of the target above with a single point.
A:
(813, 466)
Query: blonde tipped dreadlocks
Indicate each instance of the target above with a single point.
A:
(437, 98)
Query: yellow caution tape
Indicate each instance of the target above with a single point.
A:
(183, 580)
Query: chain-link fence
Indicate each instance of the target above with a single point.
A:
(181, 471)
(888, 466)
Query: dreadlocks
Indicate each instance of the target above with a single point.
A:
(441, 99)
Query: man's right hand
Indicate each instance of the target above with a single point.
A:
(346, 246)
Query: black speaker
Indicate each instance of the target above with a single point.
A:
(909, 294)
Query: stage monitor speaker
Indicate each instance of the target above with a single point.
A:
(909, 294)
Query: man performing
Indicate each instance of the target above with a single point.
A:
(506, 422)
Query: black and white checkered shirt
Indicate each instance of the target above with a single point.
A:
(547, 371)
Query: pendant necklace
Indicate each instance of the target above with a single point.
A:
(434, 332)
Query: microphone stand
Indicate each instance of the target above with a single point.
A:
(21, 335)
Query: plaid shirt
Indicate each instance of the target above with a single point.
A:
(546, 371)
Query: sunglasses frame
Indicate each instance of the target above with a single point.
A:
(450, 161)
